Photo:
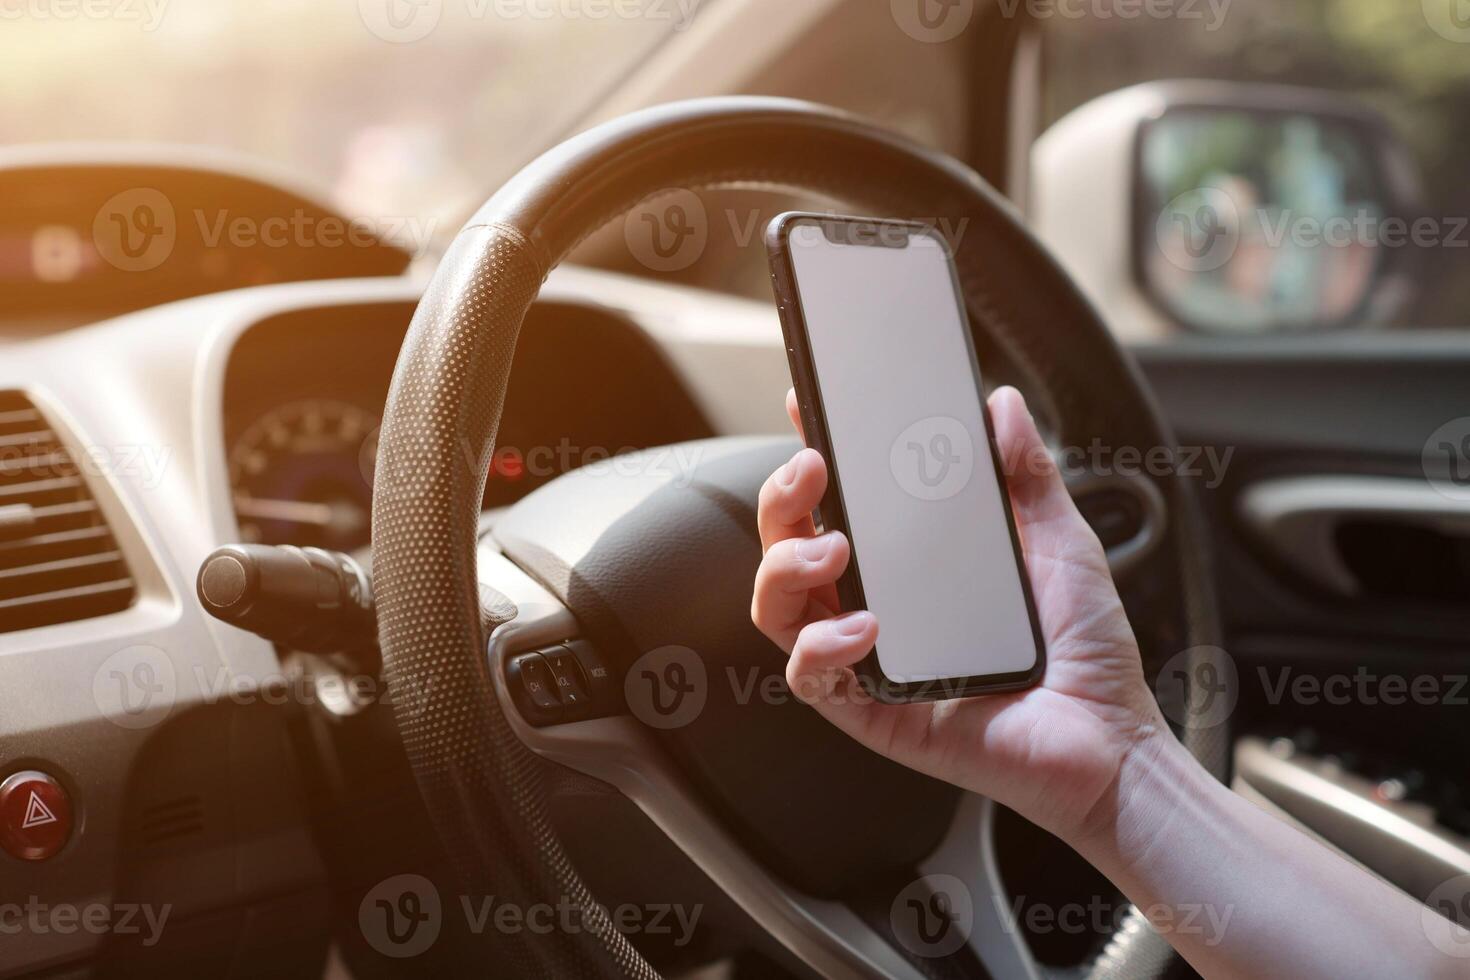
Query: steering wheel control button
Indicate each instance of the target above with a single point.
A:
(569, 682)
(534, 689)
(600, 682)
(35, 816)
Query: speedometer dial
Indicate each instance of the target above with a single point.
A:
(302, 474)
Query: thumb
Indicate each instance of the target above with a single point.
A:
(1038, 493)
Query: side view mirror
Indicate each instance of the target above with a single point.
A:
(1230, 208)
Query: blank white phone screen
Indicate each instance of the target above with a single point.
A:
(902, 399)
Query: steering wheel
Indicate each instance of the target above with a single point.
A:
(638, 561)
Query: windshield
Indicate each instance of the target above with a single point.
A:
(391, 107)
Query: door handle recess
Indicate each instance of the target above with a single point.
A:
(1297, 518)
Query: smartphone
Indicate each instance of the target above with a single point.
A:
(891, 395)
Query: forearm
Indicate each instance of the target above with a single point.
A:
(1240, 893)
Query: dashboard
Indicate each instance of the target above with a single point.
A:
(304, 394)
(234, 391)
(84, 238)
(252, 414)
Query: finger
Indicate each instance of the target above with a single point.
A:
(820, 673)
(825, 650)
(788, 498)
(1037, 491)
(795, 585)
(793, 411)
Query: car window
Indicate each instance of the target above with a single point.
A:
(1407, 59)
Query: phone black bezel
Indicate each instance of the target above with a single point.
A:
(833, 509)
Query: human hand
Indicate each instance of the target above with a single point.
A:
(1055, 753)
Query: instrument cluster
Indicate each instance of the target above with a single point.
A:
(305, 392)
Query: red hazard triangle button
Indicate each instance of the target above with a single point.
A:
(35, 816)
(37, 812)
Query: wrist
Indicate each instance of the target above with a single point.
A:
(1156, 778)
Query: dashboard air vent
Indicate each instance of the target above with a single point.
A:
(58, 560)
(171, 820)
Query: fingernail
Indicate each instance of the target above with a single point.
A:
(853, 623)
(786, 475)
(814, 549)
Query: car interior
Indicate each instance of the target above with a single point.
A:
(386, 386)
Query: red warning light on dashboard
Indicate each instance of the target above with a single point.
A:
(35, 816)
(57, 254)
